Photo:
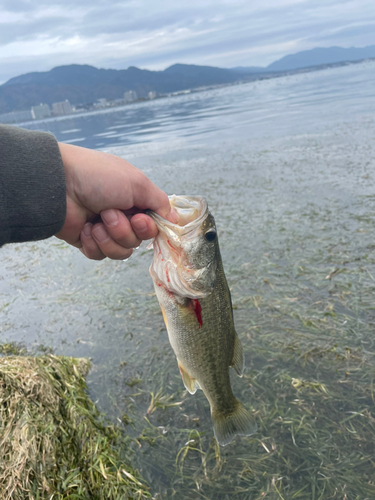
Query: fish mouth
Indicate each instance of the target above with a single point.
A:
(171, 267)
(192, 210)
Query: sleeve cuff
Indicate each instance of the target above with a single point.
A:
(32, 185)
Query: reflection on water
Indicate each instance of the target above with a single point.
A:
(287, 166)
(267, 107)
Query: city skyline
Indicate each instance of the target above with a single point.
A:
(63, 108)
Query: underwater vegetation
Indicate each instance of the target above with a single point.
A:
(310, 383)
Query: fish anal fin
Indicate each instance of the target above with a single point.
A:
(237, 362)
(228, 425)
(190, 383)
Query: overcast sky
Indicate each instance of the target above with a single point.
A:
(37, 35)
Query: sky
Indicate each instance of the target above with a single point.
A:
(37, 35)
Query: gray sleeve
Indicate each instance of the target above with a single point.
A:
(32, 185)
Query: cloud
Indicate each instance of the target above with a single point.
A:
(41, 34)
(21, 31)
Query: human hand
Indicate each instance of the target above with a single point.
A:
(100, 185)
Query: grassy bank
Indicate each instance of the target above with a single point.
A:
(54, 444)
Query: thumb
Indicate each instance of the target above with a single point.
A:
(146, 195)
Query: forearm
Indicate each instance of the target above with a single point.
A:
(49, 189)
(32, 185)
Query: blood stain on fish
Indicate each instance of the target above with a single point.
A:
(198, 311)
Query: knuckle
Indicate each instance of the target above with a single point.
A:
(141, 179)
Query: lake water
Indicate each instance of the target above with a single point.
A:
(288, 168)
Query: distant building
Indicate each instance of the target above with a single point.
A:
(152, 94)
(102, 102)
(16, 117)
(62, 108)
(40, 112)
(86, 106)
(130, 96)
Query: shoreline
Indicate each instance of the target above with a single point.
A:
(256, 77)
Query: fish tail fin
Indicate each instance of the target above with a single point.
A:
(227, 425)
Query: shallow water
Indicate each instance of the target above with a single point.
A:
(287, 166)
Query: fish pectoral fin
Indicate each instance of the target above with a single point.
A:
(237, 362)
(164, 316)
(190, 383)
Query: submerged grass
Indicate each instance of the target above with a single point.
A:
(315, 439)
(307, 332)
(53, 443)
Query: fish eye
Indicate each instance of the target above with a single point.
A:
(210, 235)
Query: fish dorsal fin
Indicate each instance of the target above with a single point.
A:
(190, 383)
(237, 361)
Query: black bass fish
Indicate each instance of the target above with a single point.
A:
(195, 300)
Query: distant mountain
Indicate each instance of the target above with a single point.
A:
(83, 83)
(201, 73)
(319, 56)
(248, 70)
